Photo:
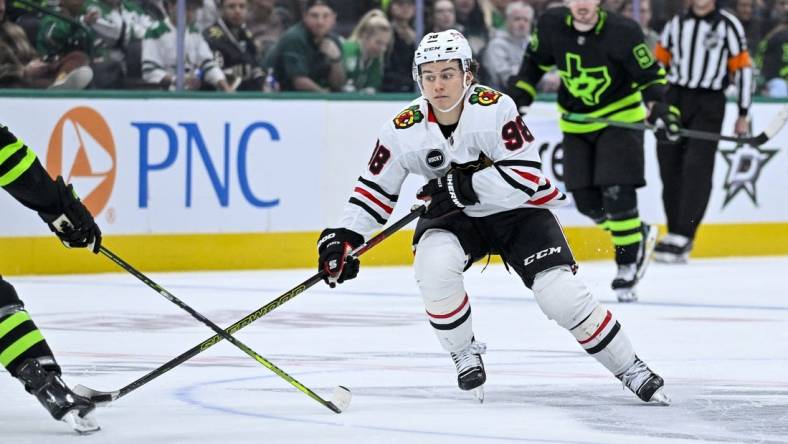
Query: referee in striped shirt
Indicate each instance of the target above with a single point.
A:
(704, 50)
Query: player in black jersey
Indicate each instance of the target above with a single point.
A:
(608, 71)
(23, 350)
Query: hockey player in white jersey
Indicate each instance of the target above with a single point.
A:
(487, 195)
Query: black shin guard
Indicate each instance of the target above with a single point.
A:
(623, 221)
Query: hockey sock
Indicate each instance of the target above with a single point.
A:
(623, 221)
(20, 339)
(601, 336)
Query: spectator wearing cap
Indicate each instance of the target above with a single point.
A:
(233, 47)
(308, 57)
(159, 53)
(397, 76)
(504, 53)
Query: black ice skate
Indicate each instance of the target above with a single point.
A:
(470, 369)
(57, 398)
(673, 249)
(647, 385)
(629, 275)
(624, 283)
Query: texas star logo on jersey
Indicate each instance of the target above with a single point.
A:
(484, 96)
(411, 116)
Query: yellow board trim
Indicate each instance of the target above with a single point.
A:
(46, 255)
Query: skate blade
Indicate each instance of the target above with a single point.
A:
(626, 295)
(478, 394)
(660, 398)
(81, 424)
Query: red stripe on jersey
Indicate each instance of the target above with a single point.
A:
(547, 198)
(374, 199)
(527, 176)
(599, 330)
(448, 315)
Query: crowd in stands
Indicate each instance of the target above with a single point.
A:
(306, 45)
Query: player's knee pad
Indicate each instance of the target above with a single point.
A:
(620, 201)
(8, 297)
(562, 296)
(589, 203)
(439, 264)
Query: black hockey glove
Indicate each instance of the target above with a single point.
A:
(334, 247)
(448, 194)
(75, 225)
(666, 117)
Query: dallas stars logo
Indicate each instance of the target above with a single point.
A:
(745, 163)
(587, 84)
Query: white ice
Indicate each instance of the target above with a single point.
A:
(716, 330)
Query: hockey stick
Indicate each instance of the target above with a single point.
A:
(339, 402)
(105, 397)
(771, 130)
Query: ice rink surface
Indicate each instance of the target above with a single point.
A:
(716, 330)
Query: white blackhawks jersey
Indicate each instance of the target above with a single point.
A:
(490, 128)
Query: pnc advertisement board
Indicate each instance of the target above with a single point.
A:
(179, 166)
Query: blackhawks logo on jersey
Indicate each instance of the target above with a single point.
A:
(411, 116)
(484, 96)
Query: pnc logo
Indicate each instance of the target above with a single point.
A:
(82, 150)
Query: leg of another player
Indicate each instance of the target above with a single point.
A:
(633, 240)
(439, 265)
(25, 354)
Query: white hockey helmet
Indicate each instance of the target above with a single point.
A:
(444, 45)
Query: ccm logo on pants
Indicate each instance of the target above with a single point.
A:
(546, 252)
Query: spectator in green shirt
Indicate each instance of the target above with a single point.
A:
(57, 37)
(363, 52)
(309, 56)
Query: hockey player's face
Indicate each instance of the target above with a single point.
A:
(442, 82)
(584, 11)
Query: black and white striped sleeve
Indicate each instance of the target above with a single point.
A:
(739, 61)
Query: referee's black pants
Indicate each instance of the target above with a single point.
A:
(686, 167)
